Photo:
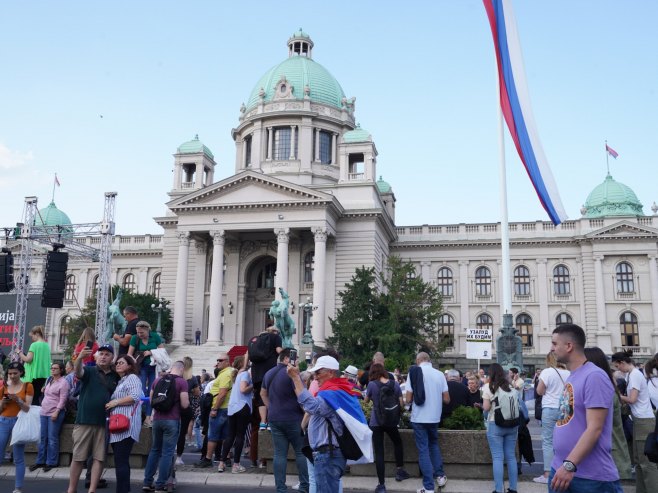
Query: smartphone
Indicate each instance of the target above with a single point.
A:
(90, 344)
(293, 357)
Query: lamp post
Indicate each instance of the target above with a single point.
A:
(307, 308)
(159, 308)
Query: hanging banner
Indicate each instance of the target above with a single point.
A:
(36, 315)
(479, 343)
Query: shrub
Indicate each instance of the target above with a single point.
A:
(464, 418)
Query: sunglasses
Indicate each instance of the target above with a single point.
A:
(220, 360)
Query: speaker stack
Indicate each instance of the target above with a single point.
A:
(54, 283)
(6, 272)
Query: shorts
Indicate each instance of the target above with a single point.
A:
(218, 426)
(89, 439)
(258, 402)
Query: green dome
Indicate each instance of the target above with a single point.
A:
(612, 198)
(383, 186)
(52, 216)
(357, 135)
(300, 71)
(194, 146)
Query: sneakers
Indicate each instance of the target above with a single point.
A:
(238, 468)
(441, 481)
(262, 427)
(380, 488)
(262, 464)
(148, 487)
(541, 479)
(205, 462)
(34, 467)
(400, 475)
(423, 490)
(296, 487)
(221, 467)
(179, 461)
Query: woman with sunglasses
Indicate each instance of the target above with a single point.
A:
(16, 396)
(125, 400)
(53, 410)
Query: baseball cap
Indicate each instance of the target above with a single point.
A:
(351, 370)
(327, 362)
(107, 347)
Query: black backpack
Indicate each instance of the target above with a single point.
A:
(388, 406)
(259, 348)
(348, 446)
(164, 393)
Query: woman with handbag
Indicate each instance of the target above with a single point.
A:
(125, 418)
(53, 410)
(16, 396)
(141, 345)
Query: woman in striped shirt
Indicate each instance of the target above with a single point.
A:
(126, 400)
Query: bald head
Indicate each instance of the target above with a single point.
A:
(378, 357)
(422, 357)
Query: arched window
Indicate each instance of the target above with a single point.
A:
(69, 288)
(64, 331)
(446, 330)
(524, 326)
(625, 278)
(482, 281)
(521, 281)
(309, 265)
(484, 321)
(155, 290)
(561, 282)
(630, 334)
(562, 319)
(444, 281)
(129, 283)
(266, 276)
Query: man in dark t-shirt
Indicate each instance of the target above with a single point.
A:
(458, 394)
(260, 368)
(131, 316)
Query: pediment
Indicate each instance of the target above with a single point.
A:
(623, 229)
(248, 190)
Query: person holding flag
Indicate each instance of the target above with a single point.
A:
(335, 408)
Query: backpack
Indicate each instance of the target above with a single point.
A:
(387, 409)
(259, 348)
(164, 393)
(506, 408)
(348, 446)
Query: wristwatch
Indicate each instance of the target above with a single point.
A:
(569, 466)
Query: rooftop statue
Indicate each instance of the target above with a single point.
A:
(282, 319)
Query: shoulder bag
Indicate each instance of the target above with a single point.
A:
(118, 423)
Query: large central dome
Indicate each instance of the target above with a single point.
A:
(300, 70)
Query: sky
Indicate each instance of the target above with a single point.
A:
(102, 93)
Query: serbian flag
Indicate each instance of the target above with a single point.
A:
(611, 151)
(515, 104)
(342, 398)
(57, 180)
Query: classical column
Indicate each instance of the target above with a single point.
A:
(425, 270)
(180, 300)
(653, 279)
(142, 279)
(334, 142)
(542, 292)
(292, 141)
(319, 286)
(270, 137)
(317, 145)
(281, 260)
(198, 175)
(216, 284)
(464, 286)
(600, 293)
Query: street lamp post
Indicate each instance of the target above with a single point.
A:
(159, 308)
(308, 308)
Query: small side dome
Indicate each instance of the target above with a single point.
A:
(51, 216)
(194, 146)
(612, 198)
(357, 135)
(383, 186)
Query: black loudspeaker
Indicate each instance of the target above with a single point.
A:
(6, 273)
(54, 283)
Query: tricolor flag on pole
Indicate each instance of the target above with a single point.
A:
(611, 151)
(57, 181)
(515, 104)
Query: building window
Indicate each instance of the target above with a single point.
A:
(484, 322)
(482, 281)
(325, 147)
(309, 265)
(447, 330)
(630, 334)
(562, 319)
(522, 281)
(156, 285)
(625, 278)
(129, 283)
(444, 281)
(283, 144)
(64, 331)
(356, 166)
(524, 326)
(266, 276)
(94, 286)
(69, 288)
(561, 282)
(247, 151)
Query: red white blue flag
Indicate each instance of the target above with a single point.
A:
(611, 151)
(515, 104)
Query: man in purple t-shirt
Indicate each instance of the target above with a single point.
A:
(583, 434)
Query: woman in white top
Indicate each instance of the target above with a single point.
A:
(651, 372)
(644, 421)
(550, 387)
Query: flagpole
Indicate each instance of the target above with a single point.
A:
(504, 223)
(54, 184)
(607, 157)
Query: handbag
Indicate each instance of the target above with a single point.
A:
(28, 427)
(118, 423)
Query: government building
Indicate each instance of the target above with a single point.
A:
(306, 206)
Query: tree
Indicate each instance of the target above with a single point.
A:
(399, 320)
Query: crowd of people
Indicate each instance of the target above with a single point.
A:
(594, 421)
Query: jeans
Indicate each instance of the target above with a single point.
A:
(328, 468)
(429, 455)
(218, 426)
(197, 432)
(49, 443)
(286, 433)
(147, 376)
(122, 451)
(581, 485)
(549, 416)
(502, 443)
(6, 425)
(378, 446)
(163, 448)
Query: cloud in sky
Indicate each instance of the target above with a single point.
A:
(10, 159)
